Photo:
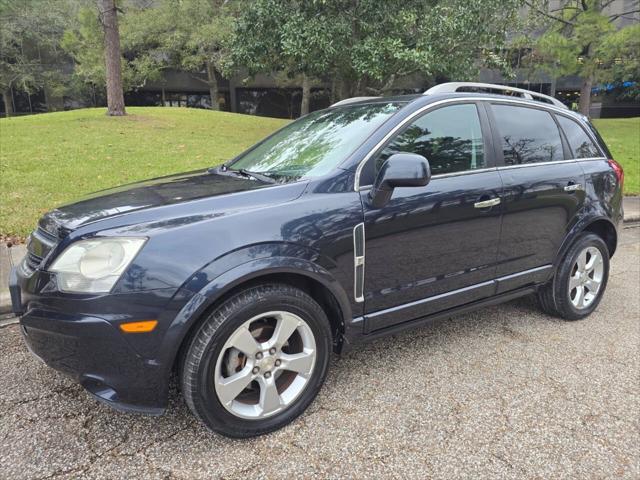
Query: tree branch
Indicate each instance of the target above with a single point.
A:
(548, 15)
(200, 79)
(567, 7)
(615, 17)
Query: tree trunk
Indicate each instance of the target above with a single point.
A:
(388, 86)
(585, 96)
(115, 91)
(212, 81)
(346, 88)
(339, 93)
(306, 95)
(334, 87)
(47, 101)
(8, 106)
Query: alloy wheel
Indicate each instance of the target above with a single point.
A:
(586, 278)
(265, 365)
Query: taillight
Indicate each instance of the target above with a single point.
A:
(617, 169)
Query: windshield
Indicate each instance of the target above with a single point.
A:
(315, 144)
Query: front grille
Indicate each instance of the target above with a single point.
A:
(51, 239)
(39, 244)
(32, 261)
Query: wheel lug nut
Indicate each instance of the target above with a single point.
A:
(255, 370)
(278, 362)
(272, 350)
(267, 374)
(259, 355)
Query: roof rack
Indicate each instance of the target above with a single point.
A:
(347, 101)
(452, 87)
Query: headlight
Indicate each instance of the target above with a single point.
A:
(94, 266)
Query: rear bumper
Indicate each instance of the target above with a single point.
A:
(80, 336)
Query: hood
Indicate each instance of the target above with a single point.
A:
(157, 192)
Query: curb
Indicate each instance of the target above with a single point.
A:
(9, 256)
(632, 223)
(5, 303)
(8, 320)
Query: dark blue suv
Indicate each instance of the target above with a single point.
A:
(372, 216)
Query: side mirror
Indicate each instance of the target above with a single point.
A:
(400, 170)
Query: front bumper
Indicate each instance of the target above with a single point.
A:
(80, 336)
(92, 352)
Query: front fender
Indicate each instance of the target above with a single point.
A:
(259, 251)
(245, 272)
(215, 288)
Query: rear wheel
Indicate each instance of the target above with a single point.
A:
(257, 361)
(580, 281)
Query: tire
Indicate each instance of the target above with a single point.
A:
(558, 299)
(220, 352)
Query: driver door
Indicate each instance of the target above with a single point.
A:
(434, 247)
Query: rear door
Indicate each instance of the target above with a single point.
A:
(543, 191)
(434, 247)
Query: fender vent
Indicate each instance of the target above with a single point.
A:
(358, 262)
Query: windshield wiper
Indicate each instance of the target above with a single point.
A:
(224, 170)
(256, 175)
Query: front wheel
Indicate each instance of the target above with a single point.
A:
(257, 361)
(580, 281)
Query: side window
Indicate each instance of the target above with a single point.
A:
(580, 143)
(528, 135)
(449, 137)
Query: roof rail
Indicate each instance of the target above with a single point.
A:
(452, 87)
(347, 101)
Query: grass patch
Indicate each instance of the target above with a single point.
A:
(622, 136)
(50, 159)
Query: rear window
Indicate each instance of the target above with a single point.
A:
(528, 135)
(580, 143)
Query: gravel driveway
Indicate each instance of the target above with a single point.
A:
(505, 392)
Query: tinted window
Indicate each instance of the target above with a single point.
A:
(450, 138)
(581, 145)
(528, 135)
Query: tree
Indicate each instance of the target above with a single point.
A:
(85, 45)
(366, 45)
(30, 56)
(189, 35)
(620, 60)
(113, 70)
(297, 39)
(581, 39)
(207, 42)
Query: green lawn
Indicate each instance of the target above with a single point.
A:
(50, 159)
(623, 138)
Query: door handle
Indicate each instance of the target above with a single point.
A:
(487, 203)
(573, 187)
